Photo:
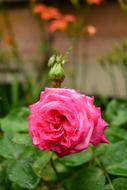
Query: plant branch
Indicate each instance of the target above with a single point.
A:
(105, 172)
(57, 173)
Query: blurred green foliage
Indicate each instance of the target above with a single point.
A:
(118, 58)
(104, 167)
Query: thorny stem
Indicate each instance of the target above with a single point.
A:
(57, 174)
(105, 172)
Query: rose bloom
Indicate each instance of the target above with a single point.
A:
(65, 122)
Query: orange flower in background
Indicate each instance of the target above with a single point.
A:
(69, 18)
(47, 13)
(96, 2)
(39, 8)
(61, 23)
(8, 40)
(91, 30)
(58, 25)
(50, 13)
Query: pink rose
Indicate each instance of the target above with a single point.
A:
(65, 122)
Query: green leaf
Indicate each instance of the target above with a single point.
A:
(17, 187)
(88, 179)
(114, 159)
(3, 180)
(76, 159)
(115, 153)
(107, 187)
(121, 118)
(115, 134)
(23, 139)
(120, 183)
(116, 112)
(101, 149)
(21, 173)
(41, 162)
(16, 121)
(48, 173)
(8, 149)
(61, 168)
(19, 162)
(119, 169)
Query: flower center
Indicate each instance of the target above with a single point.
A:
(56, 126)
(59, 121)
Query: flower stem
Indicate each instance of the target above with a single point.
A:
(56, 83)
(105, 172)
(57, 173)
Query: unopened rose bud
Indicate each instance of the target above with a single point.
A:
(58, 59)
(63, 62)
(51, 61)
(56, 72)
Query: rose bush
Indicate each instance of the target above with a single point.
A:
(65, 122)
